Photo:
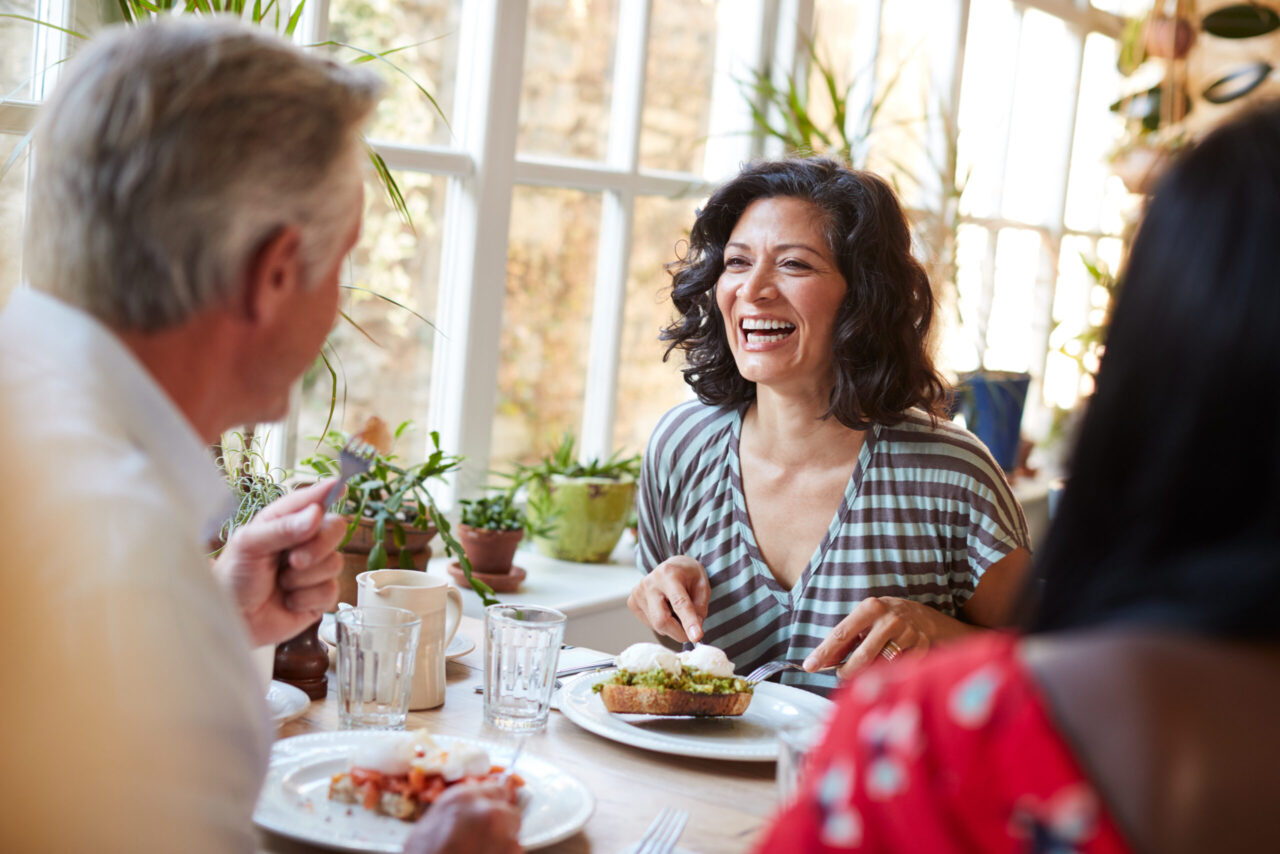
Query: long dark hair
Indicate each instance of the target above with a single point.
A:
(881, 341)
(1171, 515)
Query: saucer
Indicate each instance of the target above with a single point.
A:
(501, 582)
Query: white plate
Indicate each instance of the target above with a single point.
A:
(751, 737)
(458, 647)
(286, 702)
(295, 797)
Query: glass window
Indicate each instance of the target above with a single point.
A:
(840, 29)
(1127, 8)
(429, 30)
(546, 328)
(568, 78)
(1040, 133)
(678, 79)
(969, 301)
(17, 42)
(985, 97)
(1096, 199)
(907, 99)
(384, 370)
(13, 200)
(647, 386)
(1010, 339)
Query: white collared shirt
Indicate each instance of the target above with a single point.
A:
(148, 649)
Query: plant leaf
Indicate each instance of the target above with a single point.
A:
(396, 303)
(41, 23)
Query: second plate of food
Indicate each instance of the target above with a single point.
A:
(751, 737)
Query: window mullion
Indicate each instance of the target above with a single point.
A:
(473, 266)
(614, 247)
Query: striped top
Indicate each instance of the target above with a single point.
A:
(925, 512)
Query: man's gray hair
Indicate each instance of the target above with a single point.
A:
(173, 150)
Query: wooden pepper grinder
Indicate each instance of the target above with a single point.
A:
(303, 662)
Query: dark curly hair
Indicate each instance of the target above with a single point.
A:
(881, 339)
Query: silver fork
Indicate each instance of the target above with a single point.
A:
(355, 458)
(769, 668)
(663, 832)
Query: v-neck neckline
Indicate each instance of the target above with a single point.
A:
(742, 519)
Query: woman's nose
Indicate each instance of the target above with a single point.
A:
(758, 285)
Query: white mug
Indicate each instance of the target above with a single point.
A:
(437, 603)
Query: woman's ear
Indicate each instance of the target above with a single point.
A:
(274, 275)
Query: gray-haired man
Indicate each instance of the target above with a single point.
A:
(197, 186)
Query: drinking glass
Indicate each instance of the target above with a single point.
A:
(376, 652)
(522, 646)
(796, 742)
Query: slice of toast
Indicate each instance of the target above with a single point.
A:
(633, 700)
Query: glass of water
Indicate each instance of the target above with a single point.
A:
(376, 652)
(797, 741)
(522, 646)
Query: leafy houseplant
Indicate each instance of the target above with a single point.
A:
(255, 482)
(578, 510)
(390, 512)
(490, 530)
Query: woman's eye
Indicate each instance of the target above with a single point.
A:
(735, 261)
(795, 264)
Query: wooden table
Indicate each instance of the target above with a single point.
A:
(729, 802)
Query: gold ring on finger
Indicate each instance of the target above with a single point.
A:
(890, 651)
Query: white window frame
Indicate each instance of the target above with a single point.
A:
(484, 169)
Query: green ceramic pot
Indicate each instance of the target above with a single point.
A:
(586, 516)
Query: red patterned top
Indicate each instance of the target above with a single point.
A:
(951, 752)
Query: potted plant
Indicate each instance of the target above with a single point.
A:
(391, 515)
(301, 661)
(255, 482)
(578, 510)
(490, 530)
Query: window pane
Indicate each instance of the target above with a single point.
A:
(960, 341)
(905, 73)
(1071, 314)
(986, 93)
(17, 40)
(1097, 199)
(1009, 332)
(13, 200)
(546, 327)
(647, 386)
(389, 378)
(404, 115)
(1127, 8)
(568, 78)
(1041, 125)
(842, 32)
(678, 79)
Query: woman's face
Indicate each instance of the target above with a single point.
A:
(779, 295)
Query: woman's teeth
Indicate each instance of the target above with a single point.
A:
(760, 331)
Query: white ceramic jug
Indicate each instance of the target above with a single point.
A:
(439, 605)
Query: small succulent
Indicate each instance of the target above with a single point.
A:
(495, 513)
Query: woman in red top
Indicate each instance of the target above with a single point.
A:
(1140, 713)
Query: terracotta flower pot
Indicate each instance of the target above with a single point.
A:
(489, 551)
(355, 554)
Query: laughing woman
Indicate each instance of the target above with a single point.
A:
(812, 505)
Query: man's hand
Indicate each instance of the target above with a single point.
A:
(470, 818)
(278, 604)
(673, 599)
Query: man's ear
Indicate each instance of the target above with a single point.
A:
(273, 276)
